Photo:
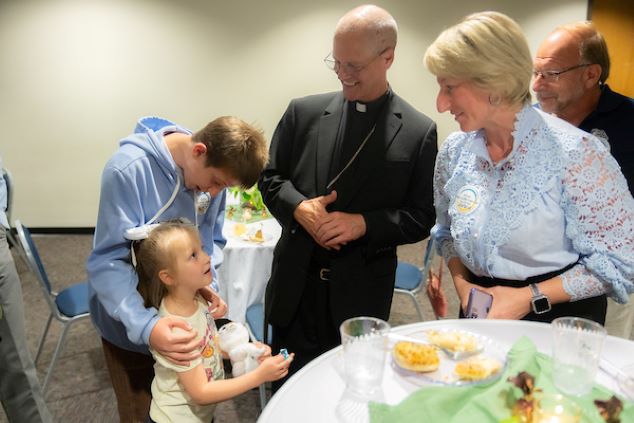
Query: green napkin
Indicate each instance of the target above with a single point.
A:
(490, 402)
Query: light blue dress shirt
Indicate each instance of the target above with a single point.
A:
(559, 197)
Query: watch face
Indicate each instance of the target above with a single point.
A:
(541, 305)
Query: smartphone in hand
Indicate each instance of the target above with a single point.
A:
(479, 304)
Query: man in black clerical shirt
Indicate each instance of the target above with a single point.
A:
(349, 179)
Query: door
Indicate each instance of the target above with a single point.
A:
(615, 20)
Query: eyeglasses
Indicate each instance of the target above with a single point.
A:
(553, 75)
(350, 68)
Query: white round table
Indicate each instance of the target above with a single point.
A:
(246, 266)
(312, 394)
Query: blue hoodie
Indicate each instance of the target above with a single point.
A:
(137, 181)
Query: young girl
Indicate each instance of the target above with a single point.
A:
(172, 267)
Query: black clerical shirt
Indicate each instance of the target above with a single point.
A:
(356, 123)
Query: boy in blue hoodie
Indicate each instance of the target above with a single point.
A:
(160, 172)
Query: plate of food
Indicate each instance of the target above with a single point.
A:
(448, 357)
(256, 235)
(237, 213)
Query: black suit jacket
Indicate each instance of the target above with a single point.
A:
(390, 184)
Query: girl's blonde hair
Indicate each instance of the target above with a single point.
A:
(158, 252)
(489, 49)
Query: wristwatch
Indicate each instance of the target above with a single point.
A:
(539, 302)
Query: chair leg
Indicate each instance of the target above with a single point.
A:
(262, 389)
(43, 337)
(418, 309)
(60, 342)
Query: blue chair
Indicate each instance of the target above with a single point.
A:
(68, 306)
(410, 280)
(255, 325)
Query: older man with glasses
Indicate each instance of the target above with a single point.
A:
(570, 70)
(349, 179)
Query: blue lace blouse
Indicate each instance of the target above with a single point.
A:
(557, 198)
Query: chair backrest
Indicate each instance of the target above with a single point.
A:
(255, 320)
(33, 257)
(6, 175)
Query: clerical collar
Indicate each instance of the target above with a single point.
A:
(371, 106)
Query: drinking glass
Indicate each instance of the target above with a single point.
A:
(364, 342)
(577, 344)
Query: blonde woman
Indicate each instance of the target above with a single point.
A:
(530, 209)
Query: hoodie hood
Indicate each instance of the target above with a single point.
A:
(148, 136)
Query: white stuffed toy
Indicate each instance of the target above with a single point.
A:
(234, 340)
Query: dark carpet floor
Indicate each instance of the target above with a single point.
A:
(79, 389)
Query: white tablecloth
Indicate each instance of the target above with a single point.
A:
(313, 393)
(246, 267)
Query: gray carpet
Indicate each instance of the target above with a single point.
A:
(79, 388)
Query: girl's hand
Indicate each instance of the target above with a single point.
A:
(217, 303)
(274, 368)
(267, 351)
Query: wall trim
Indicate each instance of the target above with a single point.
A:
(84, 230)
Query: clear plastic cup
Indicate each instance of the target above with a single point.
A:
(577, 345)
(364, 342)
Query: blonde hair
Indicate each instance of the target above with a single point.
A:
(158, 252)
(592, 46)
(488, 49)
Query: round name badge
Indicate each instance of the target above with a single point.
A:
(467, 199)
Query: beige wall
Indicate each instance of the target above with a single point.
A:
(76, 74)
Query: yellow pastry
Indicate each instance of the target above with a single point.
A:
(477, 368)
(453, 340)
(259, 236)
(416, 357)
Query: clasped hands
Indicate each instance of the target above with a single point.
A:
(331, 230)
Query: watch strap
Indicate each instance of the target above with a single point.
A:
(535, 290)
(538, 296)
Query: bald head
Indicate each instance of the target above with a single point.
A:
(570, 65)
(560, 47)
(581, 41)
(363, 51)
(371, 22)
